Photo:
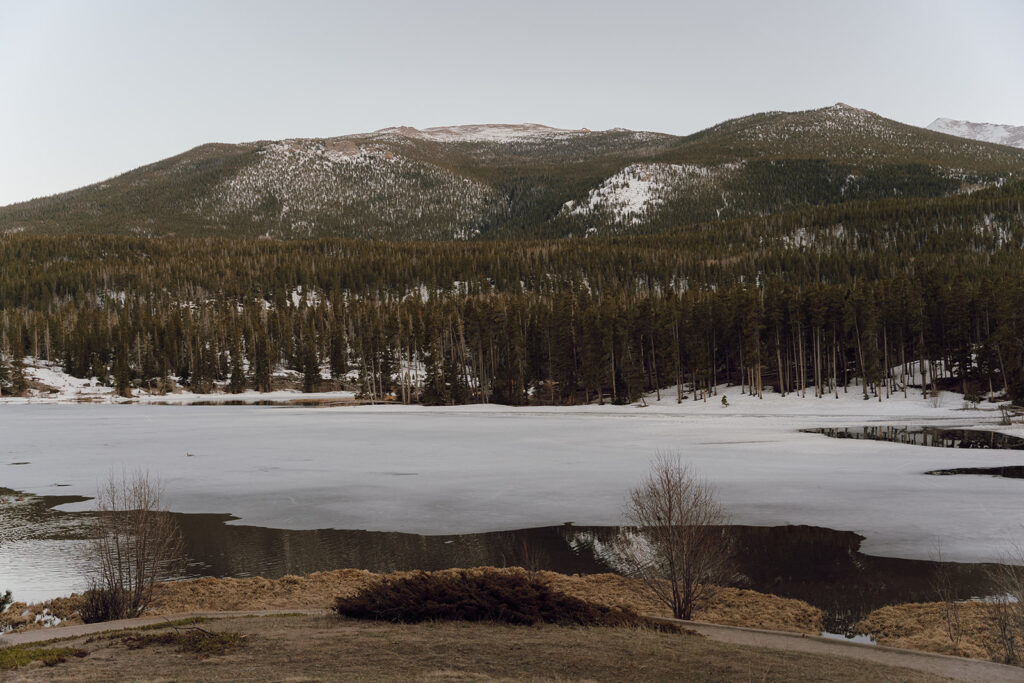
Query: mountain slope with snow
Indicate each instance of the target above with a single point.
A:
(999, 134)
(524, 180)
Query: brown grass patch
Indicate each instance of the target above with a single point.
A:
(22, 617)
(731, 606)
(922, 626)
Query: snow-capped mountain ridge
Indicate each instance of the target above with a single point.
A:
(486, 132)
(1000, 134)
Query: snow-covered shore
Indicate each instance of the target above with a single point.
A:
(50, 384)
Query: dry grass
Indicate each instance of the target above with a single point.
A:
(22, 617)
(23, 655)
(199, 642)
(731, 606)
(728, 606)
(922, 626)
(328, 648)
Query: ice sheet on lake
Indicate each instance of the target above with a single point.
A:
(485, 468)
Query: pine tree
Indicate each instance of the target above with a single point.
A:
(19, 381)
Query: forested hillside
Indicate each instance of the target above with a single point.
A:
(527, 181)
(821, 251)
(843, 297)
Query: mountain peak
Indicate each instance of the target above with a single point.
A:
(1000, 134)
(460, 181)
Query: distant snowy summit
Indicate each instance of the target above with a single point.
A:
(985, 132)
(492, 132)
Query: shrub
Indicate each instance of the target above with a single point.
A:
(5, 600)
(512, 597)
(104, 604)
(137, 543)
(677, 544)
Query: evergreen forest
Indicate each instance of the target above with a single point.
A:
(847, 297)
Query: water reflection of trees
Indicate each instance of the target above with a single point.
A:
(822, 566)
(926, 436)
(219, 549)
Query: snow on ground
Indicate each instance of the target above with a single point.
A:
(484, 468)
(639, 189)
(68, 389)
(496, 132)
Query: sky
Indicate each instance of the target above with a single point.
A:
(93, 88)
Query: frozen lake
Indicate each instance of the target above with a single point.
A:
(489, 468)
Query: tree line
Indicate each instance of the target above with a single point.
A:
(554, 322)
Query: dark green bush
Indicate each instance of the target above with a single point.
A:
(507, 597)
(104, 604)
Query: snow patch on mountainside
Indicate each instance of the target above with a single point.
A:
(838, 121)
(497, 133)
(297, 181)
(638, 190)
(984, 132)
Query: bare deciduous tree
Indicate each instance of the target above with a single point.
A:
(676, 544)
(137, 543)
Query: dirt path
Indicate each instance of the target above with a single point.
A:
(940, 665)
(43, 635)
(934, 664)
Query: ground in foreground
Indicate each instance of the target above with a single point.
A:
(326, 647)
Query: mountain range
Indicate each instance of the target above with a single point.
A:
(986, 132)
(529, 180)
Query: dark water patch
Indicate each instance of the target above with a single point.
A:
(27, 517)
(826, 568)
(220, 549)
(939, 437)
(1008, 471)
(18, 463)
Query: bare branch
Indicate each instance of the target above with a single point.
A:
(137, 543)
(676, 544)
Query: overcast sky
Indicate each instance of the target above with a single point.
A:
(93, 88)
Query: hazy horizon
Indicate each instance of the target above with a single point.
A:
(96, 89)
